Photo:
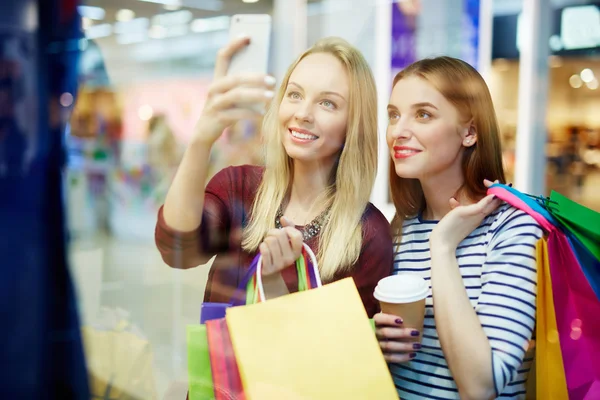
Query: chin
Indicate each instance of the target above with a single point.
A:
(405, 172)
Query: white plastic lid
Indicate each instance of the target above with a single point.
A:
(402, 288)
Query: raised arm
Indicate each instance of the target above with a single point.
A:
(230, 99)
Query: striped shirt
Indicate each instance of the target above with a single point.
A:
(498, 265)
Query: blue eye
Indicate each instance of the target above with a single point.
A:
(328, 104)
(294, 95)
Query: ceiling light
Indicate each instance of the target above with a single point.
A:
(158, 32)
(575, 81)
(209, 5)
(98, 31)
(250, 1)
(587, 75)
(173, 5)
(593, 84)
(96, 13)
(125, 15)
(133, 37)
(173, 18)
(86, 23)
(133, 26)
(210, 24)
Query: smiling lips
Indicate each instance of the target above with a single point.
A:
(404, 152)
(302, 135)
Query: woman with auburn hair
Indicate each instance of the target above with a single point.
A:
(477, 253)
(320, 136)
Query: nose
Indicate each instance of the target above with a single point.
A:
(400, 131)
(304, 112)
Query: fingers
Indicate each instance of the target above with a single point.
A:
(488, 204)
(242, 97)
(397, 333)
(224, 55)
(280, 249)
(295, 240)
(489, 183)
(382, 319)
(286, 222)
(399, 358)
(228, 83)
(396, 346)
(453, 203)
(274, 250)
(283, 241)
(229, 117)
(266, 259)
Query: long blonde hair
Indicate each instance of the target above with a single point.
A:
(462, 86)
(352, 179)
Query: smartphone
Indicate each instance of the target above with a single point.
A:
(254, 58)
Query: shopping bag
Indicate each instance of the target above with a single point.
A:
(199, 370)
(582, 222)
(577, 319)
(225, 374)
(316, 345)
(590, 265)
(200, 375)
(120, 359)
(549, 372)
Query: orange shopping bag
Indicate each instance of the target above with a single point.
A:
(550, 375)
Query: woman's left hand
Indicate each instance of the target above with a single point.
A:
(462, 220)
(281, 248)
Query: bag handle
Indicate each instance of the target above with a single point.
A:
(259, 281)
(521, 201)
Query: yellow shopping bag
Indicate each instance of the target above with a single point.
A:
(550, 375)
(316, 345)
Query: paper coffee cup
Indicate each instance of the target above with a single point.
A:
(404, 296)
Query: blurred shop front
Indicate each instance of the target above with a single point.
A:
(145, 70)
(572, 118)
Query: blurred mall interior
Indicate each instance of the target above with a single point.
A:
(144, 73)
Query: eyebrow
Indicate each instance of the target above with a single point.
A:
(322, 93)
(416, 105)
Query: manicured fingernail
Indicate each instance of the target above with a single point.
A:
(270, 80)
(510, 184)
(414, 333)
(412, 355)
(243, 36)
(417, 346)
(399, 321)
(269, 94)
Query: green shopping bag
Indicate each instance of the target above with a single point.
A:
(582, 222)
(199, 372)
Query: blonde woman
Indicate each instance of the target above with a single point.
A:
(477, 254)
(320, 134)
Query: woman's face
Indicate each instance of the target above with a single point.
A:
(314, 110)
(425, 133)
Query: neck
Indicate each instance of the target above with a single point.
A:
(438, 191)
(309, 182)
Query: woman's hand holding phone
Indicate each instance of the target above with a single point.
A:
(232, 98)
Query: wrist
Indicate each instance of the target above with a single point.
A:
(441, 246)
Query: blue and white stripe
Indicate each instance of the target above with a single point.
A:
(498, 264)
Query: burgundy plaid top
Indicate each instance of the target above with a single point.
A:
(227, 203)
